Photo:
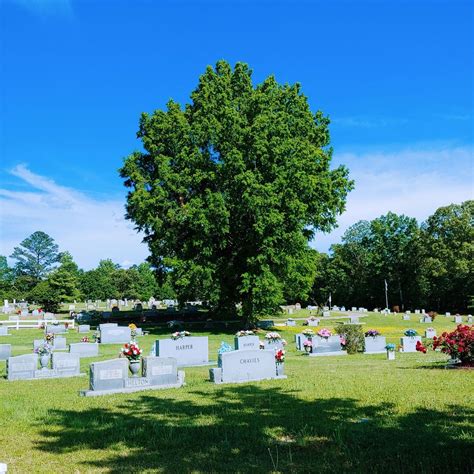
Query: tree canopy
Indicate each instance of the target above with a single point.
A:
(35, 256)
(231, 188)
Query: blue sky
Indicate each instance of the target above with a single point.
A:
(396, 78)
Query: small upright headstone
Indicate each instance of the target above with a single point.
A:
(375, 345)
(4, 331)
(406, 317)
(246, 343)
(5, 351)
(325, 346)
(188, 351)
(65, 364)
(115, 335)
(458, 319)
(83, 328)
(430, 333)
(84, 349)
(409, 343)
(60, 343)
(448, 314)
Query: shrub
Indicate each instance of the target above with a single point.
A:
(353, 335)
(459, 344)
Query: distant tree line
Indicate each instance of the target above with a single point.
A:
(43, 274)
(426, 266)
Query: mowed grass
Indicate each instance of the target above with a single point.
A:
(359, 414)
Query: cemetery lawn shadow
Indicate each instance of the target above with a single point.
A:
(260, 428)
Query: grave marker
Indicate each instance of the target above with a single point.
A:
(188, 351)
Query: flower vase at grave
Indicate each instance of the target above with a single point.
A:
(134, 367)
(308, 348)
(44, 361)
(280, 369)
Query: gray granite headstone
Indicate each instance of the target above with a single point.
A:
(56, 328)
(246, 343)
(66, 364)
(4, 331)
(252, 365)
(300, 340)
(430, 333)
(109, 374)
(84, 349)
(22, 367)
(37, 343)
(375, 345)
(107, 325)
(160, 370)
(458, 319)
(291, 322)
(327, 346)
(115, 335)
(83, 328)
(409, 343)
(5, 351)
(313, 322)
(60, 343)
(191, 350)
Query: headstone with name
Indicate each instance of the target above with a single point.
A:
(83, 328)
(246, 343)
(111, 376)
(323, 346)
(84, 349)
(246, 366)
(22, 367)
(375, 345)
(5, 351)
(115, 335)
(4, 331)
(430, 333)
(409, 343)
(188, 351)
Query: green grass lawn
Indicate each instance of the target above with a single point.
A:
(357, 414)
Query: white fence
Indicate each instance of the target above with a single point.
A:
(36, 323)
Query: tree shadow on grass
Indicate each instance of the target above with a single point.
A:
(255, 428)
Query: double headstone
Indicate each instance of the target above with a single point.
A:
(246, 366)
(327, 346)
(188, 351)
(111, 376)
(25, 367)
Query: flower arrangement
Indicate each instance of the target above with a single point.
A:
(180, 334)
(49, 337)
(85, 339)
(459, 344)
(342, 340)
(325, 333)
(280, 356)
(245, 333)
(96, 336)
(274, 337)
(390, 347)
(410, 333)
(309, 333)
(133, 331)
(372, 333)
(420, 347)
(308, 343)
(44, 349)
(131, 351)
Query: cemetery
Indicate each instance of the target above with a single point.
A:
(243, 375)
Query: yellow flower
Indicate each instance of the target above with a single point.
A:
(132, 326)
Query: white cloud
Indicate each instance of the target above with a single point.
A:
(91, 229)
(414, 182)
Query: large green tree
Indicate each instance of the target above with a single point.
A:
(449, 256)
(35, 256)
(65, 279)
(231, 188)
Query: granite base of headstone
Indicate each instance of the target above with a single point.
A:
(112, 376)
(375, 345)
(246, 366)
(327, 346)
(188, 351)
